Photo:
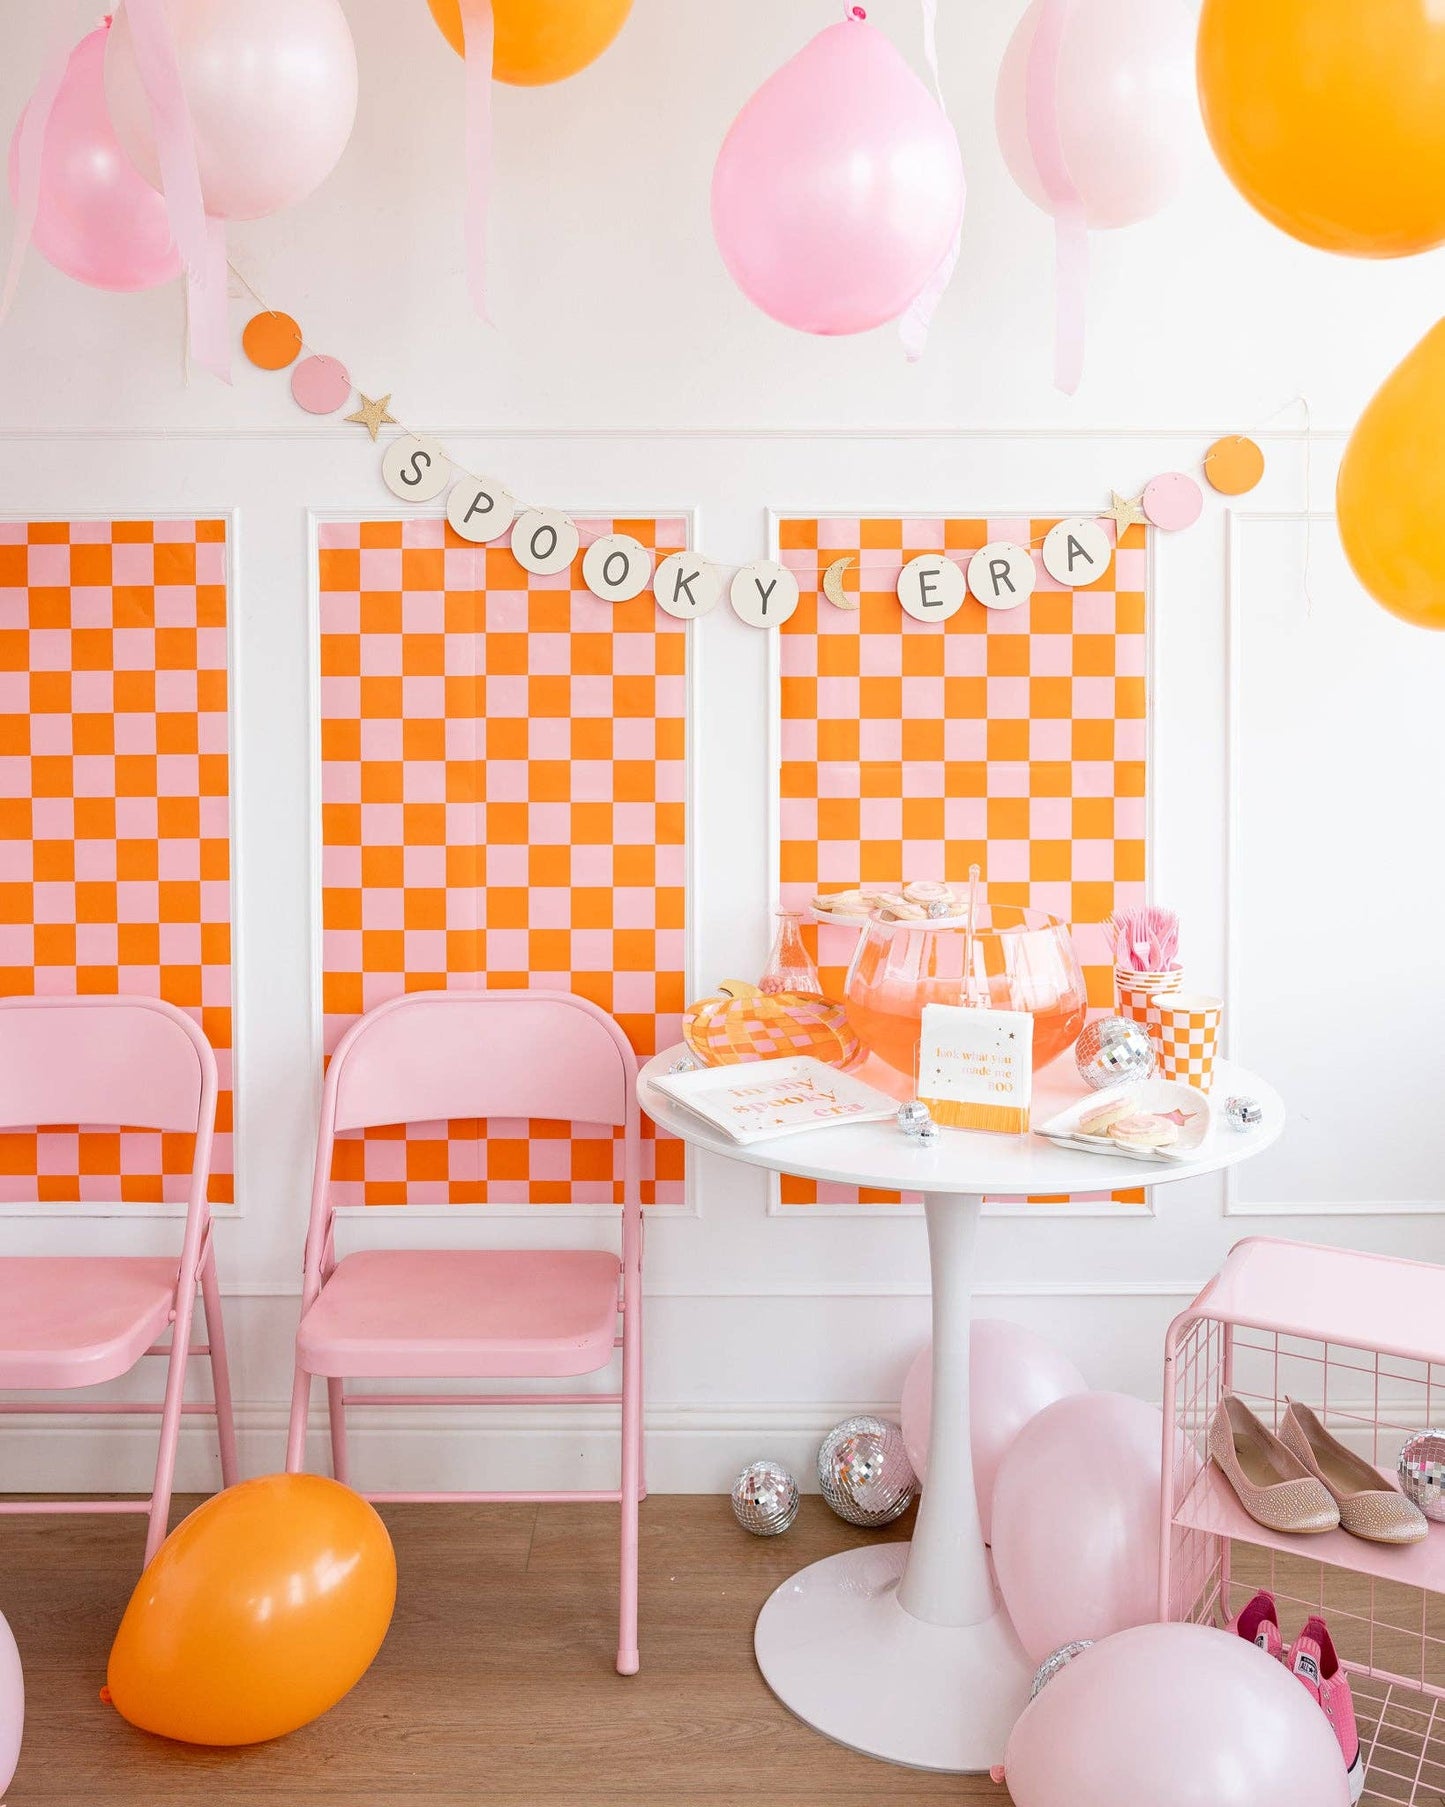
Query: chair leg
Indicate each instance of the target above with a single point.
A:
(336, 1412)
(627, 1656)
(171, 1419)
(300, 1411)
(220, 1372)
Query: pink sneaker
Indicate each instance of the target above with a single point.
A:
(1258, 1623)
(1312, 1658)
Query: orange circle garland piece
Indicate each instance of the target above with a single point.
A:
(1233, 466)
(540, 41)
(271, 341)
(745, 1024)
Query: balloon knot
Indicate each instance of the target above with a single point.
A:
(106, 1696)
(996, 1773)
(855, 12)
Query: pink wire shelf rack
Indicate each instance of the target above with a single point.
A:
(1361, 1338)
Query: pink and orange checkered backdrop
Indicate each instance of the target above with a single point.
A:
(503, 798)
(1015, 738)
(115, 812)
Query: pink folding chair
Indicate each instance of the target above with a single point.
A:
(472, 1314)
(81, 1320)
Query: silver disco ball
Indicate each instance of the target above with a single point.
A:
(765, 1499)
(864, 1471)
(1060, 1659)
(1422, 1472)
(1113, 1051)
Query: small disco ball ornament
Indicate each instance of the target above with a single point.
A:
(914, 1117)
(1113, 1051)
(1060, 1659)
(864, 1472)
(683, 1064)
(765, 1499)
(1421, 1469)
(1242, 1113)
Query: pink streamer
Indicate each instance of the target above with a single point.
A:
(1071, 231)
(201, 242)
(478, 36)
(29, 156)
(914, 323)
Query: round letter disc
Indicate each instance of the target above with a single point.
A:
(686, 585)
(1076, 551)
(480, 511)
(763, 593)
(616, 567)
(545, 541)
(415, 468)
(1001, 574)
(931, 587)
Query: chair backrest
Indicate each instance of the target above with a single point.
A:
(432, 1055)
(133, 1062)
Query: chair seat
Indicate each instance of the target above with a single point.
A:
(77, 1320)
(463, 1313)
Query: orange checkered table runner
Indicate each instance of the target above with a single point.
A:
(909, 750)
(115, 812)
(503, 804)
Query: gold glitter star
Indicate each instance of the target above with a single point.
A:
(373, 415)
(1125, 514)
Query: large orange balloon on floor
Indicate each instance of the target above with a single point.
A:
(1390, 496)
(540, 41)
(1329, 117)
(256, 1614)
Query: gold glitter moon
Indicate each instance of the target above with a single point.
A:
(833, 585)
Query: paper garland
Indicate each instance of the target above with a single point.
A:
(615, 567)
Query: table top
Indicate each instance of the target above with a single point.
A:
(970, 1161)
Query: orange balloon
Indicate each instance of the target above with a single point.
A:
(539, 41)
(257, 1613)
(1329, 117)
(1390, 494)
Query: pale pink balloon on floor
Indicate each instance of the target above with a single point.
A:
(1172, 501)
(1012, 1374)
(1076, 1520)
(1174, 1716)
(839, 186)
(1123, 108)
(97, 219)
(320, 385)
(12, 1705)
(271, 86)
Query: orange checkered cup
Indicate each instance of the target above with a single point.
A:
(1184, 1028)
(1135, 989)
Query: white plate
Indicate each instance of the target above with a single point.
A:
(1155, 1096)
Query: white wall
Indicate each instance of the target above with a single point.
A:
(657, 385)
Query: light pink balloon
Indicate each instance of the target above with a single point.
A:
(272, 92)
(1125, 102)
(1012, 1374)
(1076, 1520)
(839, 186)
(1174, 1716)
(97, 220)
(12, 1705)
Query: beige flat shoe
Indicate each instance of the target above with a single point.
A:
(1369, 1506)
(1274, 1486)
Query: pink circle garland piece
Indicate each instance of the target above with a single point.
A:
(1172, 501)
(320, 385)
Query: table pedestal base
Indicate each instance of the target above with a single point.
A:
(836, 1648)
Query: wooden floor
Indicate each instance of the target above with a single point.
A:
(495, 1684)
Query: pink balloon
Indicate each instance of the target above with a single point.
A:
(1076, 1520)
(97, 220)
(12, 1705)
(272, 91)
(1123, 102)
(1012, 1374)
(1181, 1715)
(839, 186)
